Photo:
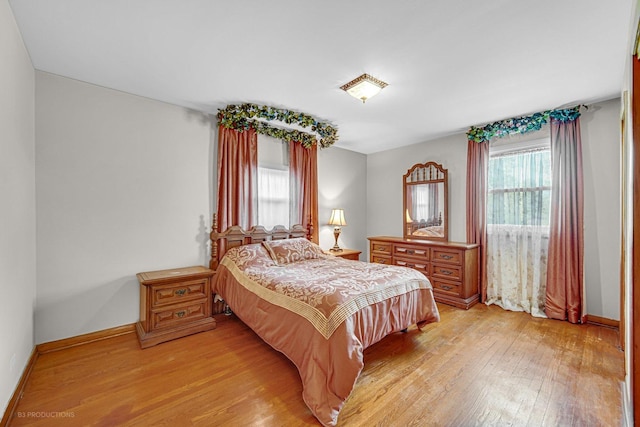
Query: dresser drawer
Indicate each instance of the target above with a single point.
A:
(452, 288)
(178, 292)
(422, 267)
(381, 248)
(412, 251)
(381, 259)
(445, 271)
(182, 313)
(452, 256)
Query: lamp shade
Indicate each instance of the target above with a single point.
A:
(337, 218)
(408, 217)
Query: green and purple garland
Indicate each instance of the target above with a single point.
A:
(245, 116)
(524, 124)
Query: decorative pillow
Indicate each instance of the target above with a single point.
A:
(253, 255)
(292, 250)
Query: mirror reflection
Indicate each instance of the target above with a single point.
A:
(424, 211)
(425, 202)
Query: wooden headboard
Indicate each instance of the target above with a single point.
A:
(236, 236)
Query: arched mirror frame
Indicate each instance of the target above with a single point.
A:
(421, 174)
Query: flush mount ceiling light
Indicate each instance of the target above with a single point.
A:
(364, 87)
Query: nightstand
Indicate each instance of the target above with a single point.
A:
(351, 254)
(174, 303)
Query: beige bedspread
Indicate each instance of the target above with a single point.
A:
(321, 311)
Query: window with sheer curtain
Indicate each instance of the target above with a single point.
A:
(518, 201)
(274, 191)
(273, 197)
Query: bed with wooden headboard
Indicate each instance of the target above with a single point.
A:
(319, 310)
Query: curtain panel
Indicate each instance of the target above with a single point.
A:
(477, 167)
(303, 169)
(237, 177)
(565, 270)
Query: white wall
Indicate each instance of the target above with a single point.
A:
(601, 156)
(123, 186)
(18, 208)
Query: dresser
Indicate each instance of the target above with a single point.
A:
(174, 303)
(452, 268)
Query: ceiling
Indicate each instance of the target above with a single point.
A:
(449, 64)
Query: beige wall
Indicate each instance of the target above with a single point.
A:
(600, 135)
(18, 208)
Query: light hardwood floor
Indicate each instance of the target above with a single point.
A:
(484, 366)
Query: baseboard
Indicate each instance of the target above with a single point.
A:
(48, 347)
(17, 394)
(603, 321)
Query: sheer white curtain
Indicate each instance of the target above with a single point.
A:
(273, 197)
(273, 182)
(519, 190)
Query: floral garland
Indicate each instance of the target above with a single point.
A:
(245, 116)
(524, 124)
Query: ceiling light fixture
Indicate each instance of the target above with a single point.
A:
(364, 87)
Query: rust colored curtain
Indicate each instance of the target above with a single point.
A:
(237, 177)
(303, 170)
(564, 295)
(477, 169)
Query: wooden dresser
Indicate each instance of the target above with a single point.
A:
(174, 303)
(452, 268)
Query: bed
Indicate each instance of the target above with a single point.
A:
(319, 310)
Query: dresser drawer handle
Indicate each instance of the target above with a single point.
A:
(181, 313)
(411, 265)
(180, 292)
(447, 288)
(447, 272)
(445, 256)
(410, 251)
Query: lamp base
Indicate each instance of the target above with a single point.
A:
(336, 234)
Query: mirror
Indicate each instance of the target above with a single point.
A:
(425, 194)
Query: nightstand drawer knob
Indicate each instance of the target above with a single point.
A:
(181, 313)
(180, 292)
(447, 272)
(447, 288)
(446, 256)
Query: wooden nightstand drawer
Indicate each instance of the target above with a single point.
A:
(178, 292)
(452, 256)
(352, 254)
(179, 314)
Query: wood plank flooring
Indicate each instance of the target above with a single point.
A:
(481, 367)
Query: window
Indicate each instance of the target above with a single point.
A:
(273, 182)
(273, 197)
(518, 201)
(519, 187)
